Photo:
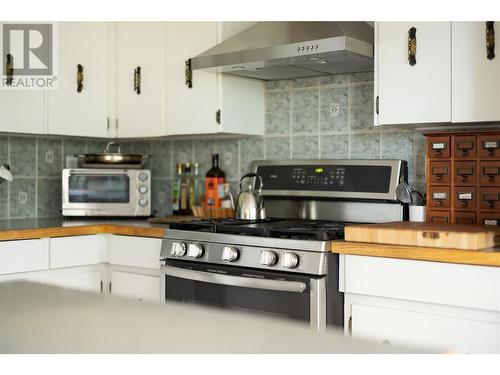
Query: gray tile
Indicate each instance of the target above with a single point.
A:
(281, 84)
(228, 157)
(361, 103)
(161, 159)
(23, 156)
(203, 151)
(399, 146)
(277, 101)
(161, 197)
(305, 82)
(336, 79)
(251, 148)
(182, 151)
(305, 111)
(365, 146)
(49, 197)
(73, 147)
(96, 146)
(4, 149)
(330, 99)
(305, 147)
(49, 157)
(141, 147)
(22, 197)
(4, 187)
(277, 148)
(362, 77)
(125, 146)
(420, 151)
(334, 146)
(278, 122)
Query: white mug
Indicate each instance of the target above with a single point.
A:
(417, 213)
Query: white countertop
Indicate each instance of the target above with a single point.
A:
(36, 318)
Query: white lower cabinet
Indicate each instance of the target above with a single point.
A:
(90, 281)
(23, 256)
(427, 305)
(134, 251)
(136, 286)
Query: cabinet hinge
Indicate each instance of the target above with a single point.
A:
(217, 116)
(110, 286)
(102, 286)
(376, 105)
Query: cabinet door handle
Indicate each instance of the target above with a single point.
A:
(377, 104)
(490, 40)
(79, 78)
(217, 117)
(137, 80)
(412, 46)
(188, 74)
(9, 69)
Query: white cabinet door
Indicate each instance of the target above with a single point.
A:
(136, 286)
(84, 112)
(425, 331)
(82, 280)
(190, 110)
(140, 46)
(23, 256)
(135, 251)
(413, 94)
(77, 251)
(476, 79)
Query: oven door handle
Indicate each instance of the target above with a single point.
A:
(245, 282)
(97, 172)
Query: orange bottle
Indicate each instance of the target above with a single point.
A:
(214, 184)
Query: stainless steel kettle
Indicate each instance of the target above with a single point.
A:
(250, 203)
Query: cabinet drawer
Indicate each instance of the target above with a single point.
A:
(23, 256)
(438, 147)
(489, 198)
(464, 218)
(465, 173)
(464, 198)
(439, 217)
(490, 172)
(489, 218)
(135, 251)
(77, 251)
(464, 146)
(439, 197)
(440, 172)
(489, 146)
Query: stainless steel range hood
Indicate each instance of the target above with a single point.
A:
(284, 50)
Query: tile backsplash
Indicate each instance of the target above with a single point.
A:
(315, 118)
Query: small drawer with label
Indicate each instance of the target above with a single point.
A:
(489, 219)
(465, 173)
(465, 146)
(489, 146)
(464, 218)
(439, 197)
(465, 198)
(490, 172)
(489, 198)
(439, 217)
(440, 172)
(438, 147)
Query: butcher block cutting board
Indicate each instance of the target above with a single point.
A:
(449, 236)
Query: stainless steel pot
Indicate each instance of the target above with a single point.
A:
(250, 203)
(113, 158)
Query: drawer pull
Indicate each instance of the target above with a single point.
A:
(465, 146)
(490, 146)
(440, 195)
(490, 172)
(464, 173)
(439, 172)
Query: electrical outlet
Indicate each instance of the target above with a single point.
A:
(49, 156)
(334, 110)
(22, 197)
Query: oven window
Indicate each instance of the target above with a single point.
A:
(99, 189)
(292, 305)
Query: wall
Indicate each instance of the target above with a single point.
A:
(298, 126)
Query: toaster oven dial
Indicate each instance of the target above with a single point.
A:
(143, 202)
(143, 176)
(194, 250)
(230, 254)
(143, 189)
(268, 258)
(178, 249)
(290, 260)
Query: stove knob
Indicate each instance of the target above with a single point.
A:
(290, 260)
(194, 250)
(268, 258)
(178, 249)
(230, 254)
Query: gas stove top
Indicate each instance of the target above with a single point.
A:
(296, 229)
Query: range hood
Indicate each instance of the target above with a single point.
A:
(284, 50)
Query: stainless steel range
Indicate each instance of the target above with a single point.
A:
(282, 265)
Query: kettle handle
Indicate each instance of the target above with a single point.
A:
(248, 175)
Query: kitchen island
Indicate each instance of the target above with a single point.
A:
(37, 318)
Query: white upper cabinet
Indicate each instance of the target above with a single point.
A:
(406, 93)
(140, 79)
(81, 109)
(475, 78)
(215, 103)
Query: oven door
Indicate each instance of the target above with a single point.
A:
(98, 192)
(292, 296)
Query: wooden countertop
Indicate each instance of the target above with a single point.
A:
(23, 229)
(486, 257)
